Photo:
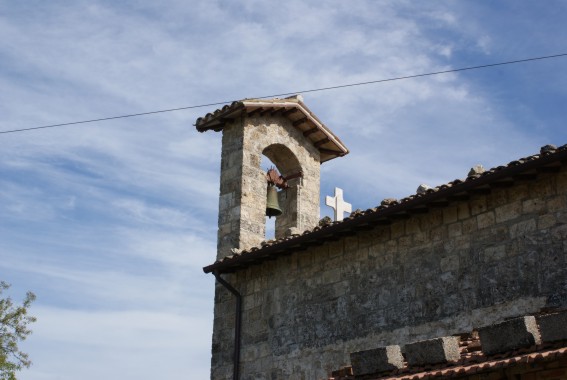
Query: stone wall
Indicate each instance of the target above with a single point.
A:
(242, 201)
(453, 269)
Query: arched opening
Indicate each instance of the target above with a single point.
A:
(283, 158)
(287, 164)
(265, 165)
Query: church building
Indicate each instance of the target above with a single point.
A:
(464, 280)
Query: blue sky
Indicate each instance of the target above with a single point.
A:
(110, 223)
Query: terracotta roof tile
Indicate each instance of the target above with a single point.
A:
(293, 108)
(543, 354)
(472, 360)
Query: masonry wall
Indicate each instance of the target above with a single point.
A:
(451, 270)
(242, 200)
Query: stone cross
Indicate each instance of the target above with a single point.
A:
(338, 204)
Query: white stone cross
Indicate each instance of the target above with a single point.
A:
(338, 204)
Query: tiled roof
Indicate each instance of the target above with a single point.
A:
(550, 159)
(549, 344)
(473, 364)
(329, 145)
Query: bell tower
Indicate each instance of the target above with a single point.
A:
(293, 138)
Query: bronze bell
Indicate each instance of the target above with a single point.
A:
(272, 204)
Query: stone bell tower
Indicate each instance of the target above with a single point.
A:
(285, 131)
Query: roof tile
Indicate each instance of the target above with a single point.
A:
(388, 206)
(293, 108)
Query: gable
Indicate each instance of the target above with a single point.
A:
(328, 144)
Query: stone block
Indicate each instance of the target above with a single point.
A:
(546, 221)
(495, 253)
(509, 335)
(463, 211)
(522, 228)
(508, 212)
(450, 263)
(485, 220)
(450, 215)
(377, 360)
(455, 229)
(433, 351)
(553, 327)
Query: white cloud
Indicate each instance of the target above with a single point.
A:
(129, 344)
(119, 329)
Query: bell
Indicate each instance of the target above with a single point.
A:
(272, 204)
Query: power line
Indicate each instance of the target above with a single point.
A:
(293, 93)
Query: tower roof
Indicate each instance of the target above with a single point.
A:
(329, 145)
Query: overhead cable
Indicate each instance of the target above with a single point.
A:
(292, 93)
